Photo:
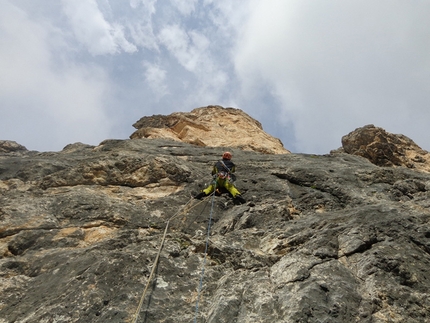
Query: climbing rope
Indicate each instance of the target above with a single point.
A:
(205, 255)
(180, 211)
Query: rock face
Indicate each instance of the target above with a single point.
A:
(331, 238)
(385, 149)
(8, 146)
(211, 126)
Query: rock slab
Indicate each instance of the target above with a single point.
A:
(331, 238)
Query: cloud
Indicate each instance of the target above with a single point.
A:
(309, 71)
(188, 47)
(139, 23)
(46, 103)
(149, 5)
(185, 7)
(337, 65)
(197, 51)
(155, 77)
(93, 31)
(143, 35)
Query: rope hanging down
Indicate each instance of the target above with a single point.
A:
(181, 210)
(205, 256)
(136, 315)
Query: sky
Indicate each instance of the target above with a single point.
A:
(309, 71)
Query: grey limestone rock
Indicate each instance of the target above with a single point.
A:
(322, 238)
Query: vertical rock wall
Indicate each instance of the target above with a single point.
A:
(329, 238)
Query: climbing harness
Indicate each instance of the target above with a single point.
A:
(184, 209)
(205, 255)
(226, 174)
(222, 175)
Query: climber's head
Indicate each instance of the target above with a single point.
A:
(226, 155)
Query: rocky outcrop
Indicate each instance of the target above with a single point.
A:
(8, 146)
(385, 149)
(211, 126)
(331, 238)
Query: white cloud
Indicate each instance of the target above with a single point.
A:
(117, 33)
(318, 69)
(155, 78)
(143, 35)
(93, 31)
(140, 25)
(175, 39)
(46, 103)
(337, 65)
(149, 5)
(193, 51)
(185, 7)
(187, 46)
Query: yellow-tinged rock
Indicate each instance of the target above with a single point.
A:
(211, 126)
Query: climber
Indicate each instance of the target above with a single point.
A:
(223, 179)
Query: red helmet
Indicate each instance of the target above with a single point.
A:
(226, 155)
